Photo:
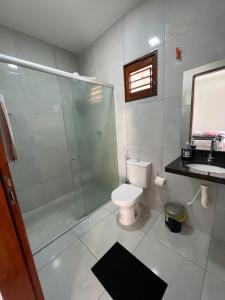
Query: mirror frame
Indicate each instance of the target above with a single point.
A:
(188, 96)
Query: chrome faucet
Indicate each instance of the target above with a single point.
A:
(213, 148)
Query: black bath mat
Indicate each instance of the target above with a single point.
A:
(126, 278)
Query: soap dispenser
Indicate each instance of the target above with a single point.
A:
(186, 153)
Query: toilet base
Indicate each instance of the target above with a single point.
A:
(129, 215)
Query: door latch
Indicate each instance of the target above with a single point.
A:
(9, 190)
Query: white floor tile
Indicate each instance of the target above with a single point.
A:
(44, 233)
(183, 277)
(100, 239)
(69, 276)
(90, 221)
(110, 206)
(216, 261)
(152, 216)
(214, 288)
(54, 249)
(190, 243)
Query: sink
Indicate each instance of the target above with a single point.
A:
(207, 168)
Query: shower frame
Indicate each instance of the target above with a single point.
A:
(37, 67)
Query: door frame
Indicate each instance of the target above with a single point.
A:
(17, 220)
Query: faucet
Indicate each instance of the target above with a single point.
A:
(213, 148)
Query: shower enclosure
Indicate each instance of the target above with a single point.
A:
(64, 131)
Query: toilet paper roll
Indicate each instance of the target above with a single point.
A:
(159, 181)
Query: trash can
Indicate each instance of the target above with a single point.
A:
(174, 216)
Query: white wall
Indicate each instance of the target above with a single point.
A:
(150, 128)
(34, 101)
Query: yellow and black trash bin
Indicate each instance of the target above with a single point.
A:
(174, 216)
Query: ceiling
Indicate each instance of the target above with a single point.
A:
(70, 24)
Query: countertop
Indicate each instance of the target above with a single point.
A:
(178, 166)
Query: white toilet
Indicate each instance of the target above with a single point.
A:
(128, 196)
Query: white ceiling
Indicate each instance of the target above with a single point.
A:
(70, 24)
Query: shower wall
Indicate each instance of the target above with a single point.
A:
(34, 102)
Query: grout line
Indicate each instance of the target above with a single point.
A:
(100, 221)
(66, 230)
(216, 276)
(211, 242)
(77, 237)
(186, 258)
(145, 233)
(89, 250)
(174, 249)
(52, 259)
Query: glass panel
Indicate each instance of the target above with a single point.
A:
(96, 134)
(65, 135)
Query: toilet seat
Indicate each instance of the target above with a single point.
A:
(126, 195)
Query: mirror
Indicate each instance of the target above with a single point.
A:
(203, 106)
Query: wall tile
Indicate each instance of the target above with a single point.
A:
(22, 131)
(53, 162)
(58, 187)
(31, 198)
(6, 45)
(219, 223)
(144, 124)
(42, 93)
(12, 90)
(65, 60)
(195, 51)
(171, 123)
(87, 61)
(109, 49)
(169, 154)
(48, 130)
(141, 24)
(33, 49)
(26, 171)
(221, 195)
(178, 21)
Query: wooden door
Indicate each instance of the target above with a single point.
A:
(18, 275)
(14, 280)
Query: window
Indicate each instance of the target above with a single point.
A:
(140, 77)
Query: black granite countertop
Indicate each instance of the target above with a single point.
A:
(178, 166)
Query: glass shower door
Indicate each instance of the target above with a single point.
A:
(94, 122)
(65, 135)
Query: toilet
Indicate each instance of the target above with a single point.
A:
(128, 195)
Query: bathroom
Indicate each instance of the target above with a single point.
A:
(74, 134)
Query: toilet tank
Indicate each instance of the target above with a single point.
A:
(138, 172)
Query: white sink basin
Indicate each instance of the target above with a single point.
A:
(207, 168)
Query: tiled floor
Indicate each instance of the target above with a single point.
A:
(45, 223)
(65, 265)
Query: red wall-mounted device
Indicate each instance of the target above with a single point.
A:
(178, 53)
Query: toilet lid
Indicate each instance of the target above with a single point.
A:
(126, 193)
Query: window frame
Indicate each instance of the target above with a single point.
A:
(135, 65)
